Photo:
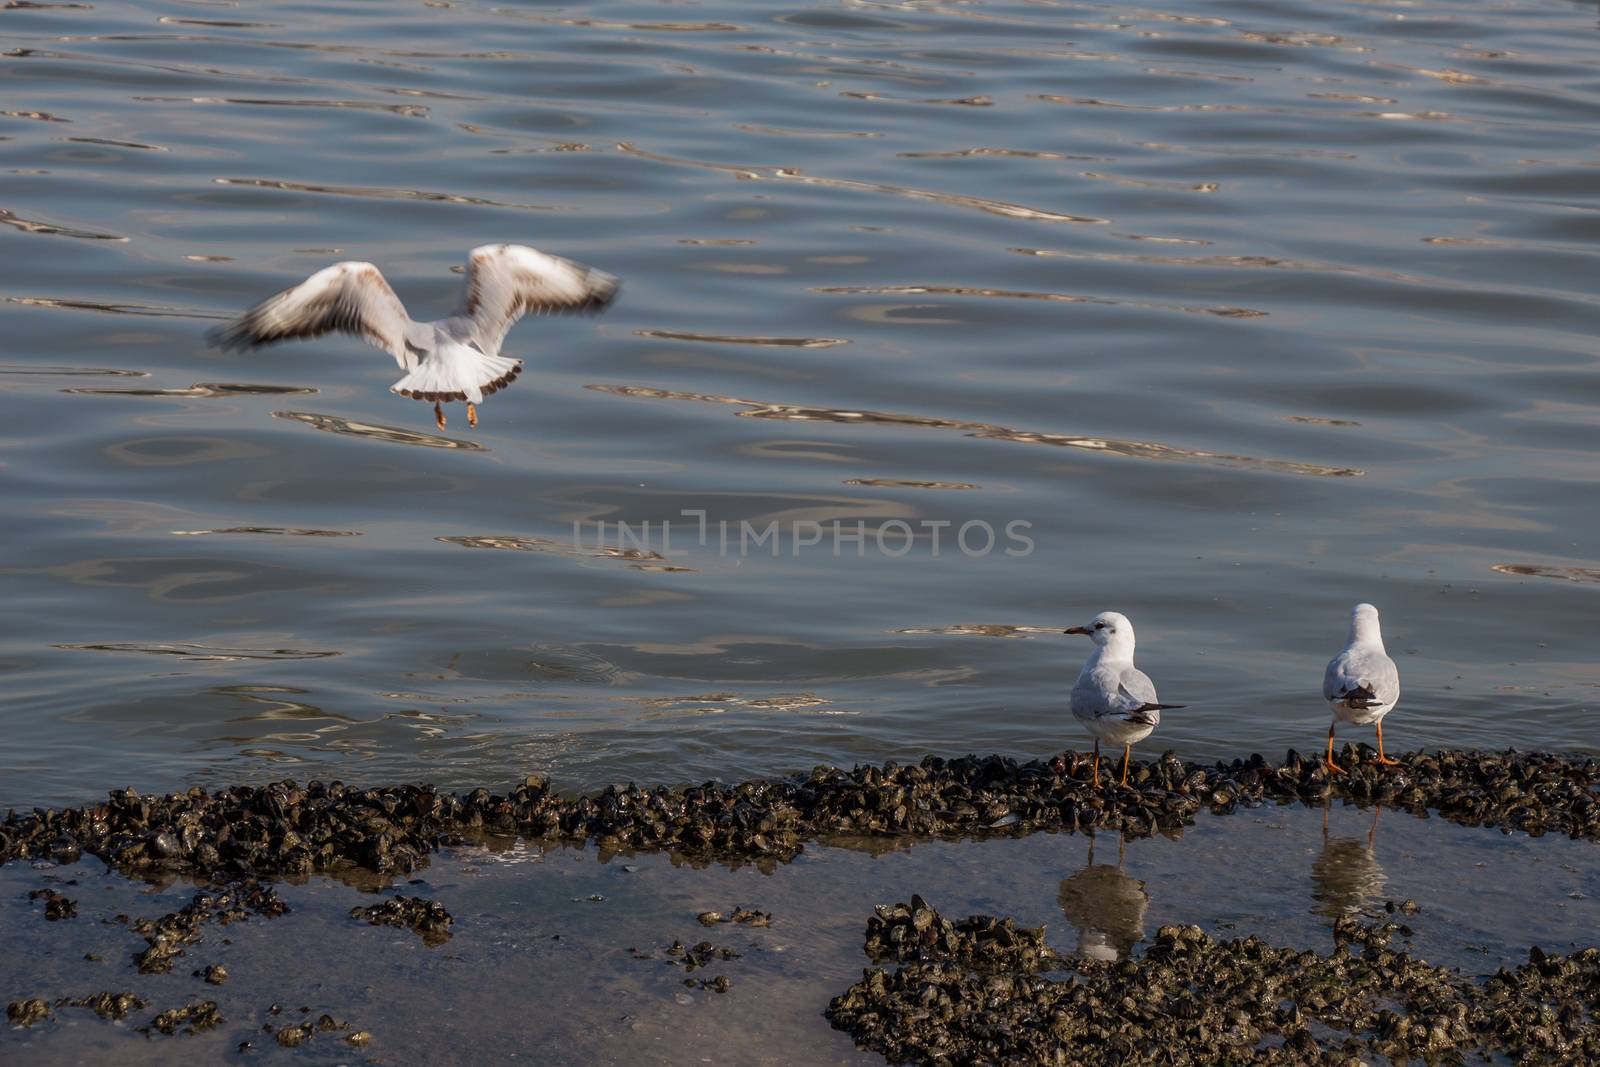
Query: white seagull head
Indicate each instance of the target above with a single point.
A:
(1110, 630)
(1364, 629)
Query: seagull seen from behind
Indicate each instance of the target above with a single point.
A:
(1362, 684)
(455, 358)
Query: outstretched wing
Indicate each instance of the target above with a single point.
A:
(506, 282)
(348, 298)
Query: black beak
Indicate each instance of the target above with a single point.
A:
(1084, 630)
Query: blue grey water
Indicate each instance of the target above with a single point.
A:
(1234, 313)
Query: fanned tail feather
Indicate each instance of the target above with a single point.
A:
(456, 376)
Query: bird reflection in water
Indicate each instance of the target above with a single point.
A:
(1346, 874)
(1107, 905)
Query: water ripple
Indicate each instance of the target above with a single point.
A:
(379, 193)
(1017, 294)
(977, 203)
(638, 558)
(190, 650)
(393, 435)
(201, 389)
(47, 370)
(786, 131)
(756, 409)
(114, 143)
(12, 219)
(902, 483)
(779, 342)
(1002, 153)
(982, 629)
(411, 111)
(269, 531)
(153, 310)
(1582, 575)
(36, 116)
(959, 101)
(616, 24)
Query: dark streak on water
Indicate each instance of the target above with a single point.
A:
(1213, 254)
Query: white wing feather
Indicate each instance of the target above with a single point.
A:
(505, 282)
(347, 297)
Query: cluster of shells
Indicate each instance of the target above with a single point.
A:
(172, 936)
(168, 936)
(426, 918)
(916, 933)
(284, 829)
(957, 998)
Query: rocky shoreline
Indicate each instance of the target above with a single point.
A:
(288, 830)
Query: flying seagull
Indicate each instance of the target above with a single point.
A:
(1112, 698)
(457, 358)
(1362, 684)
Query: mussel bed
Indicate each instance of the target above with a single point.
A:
(285, 829)
(979, 991)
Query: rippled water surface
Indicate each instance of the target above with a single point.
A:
(1241, 312)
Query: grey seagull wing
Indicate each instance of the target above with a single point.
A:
(1136, 687)
(1361, 678)
(1137, 697)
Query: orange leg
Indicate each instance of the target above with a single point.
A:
(438, 414)
(1097, 763)
(1385, 760)
(472, 414)
(1333, 768)
(1127, 753)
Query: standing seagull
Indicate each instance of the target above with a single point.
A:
(1112, 697)
(457, 358)
(1362, 682)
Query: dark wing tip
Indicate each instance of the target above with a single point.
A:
(1361, 697)
(1141, 714)
(1364, 691)
(234, 337)
(601, 290)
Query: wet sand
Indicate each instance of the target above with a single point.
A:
(560, 954)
